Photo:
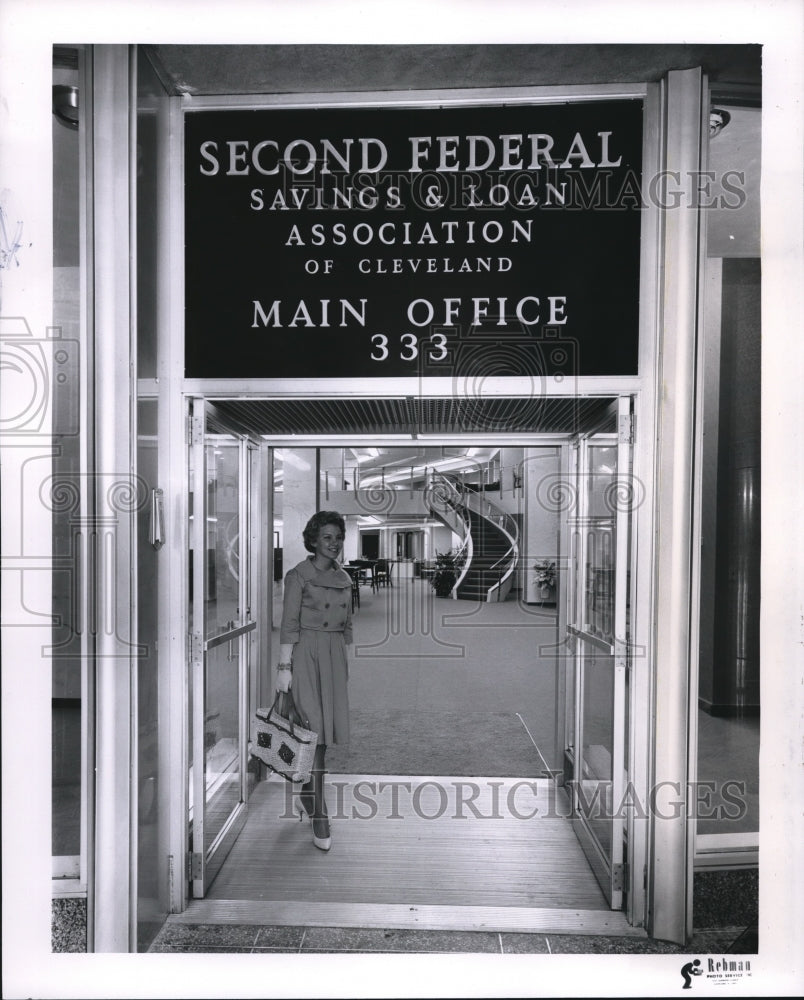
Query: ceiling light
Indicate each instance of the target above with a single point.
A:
(718, 120)
(65, 105)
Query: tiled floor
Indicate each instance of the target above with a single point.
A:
(724, 901)
(238, 938)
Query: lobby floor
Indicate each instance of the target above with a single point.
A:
(417, 656)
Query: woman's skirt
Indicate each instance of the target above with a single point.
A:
(320, 684)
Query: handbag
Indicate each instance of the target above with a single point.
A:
(282, 742)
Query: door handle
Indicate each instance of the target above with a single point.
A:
(156, 523)
(228, 635)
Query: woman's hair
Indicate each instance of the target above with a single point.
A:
(316, 523)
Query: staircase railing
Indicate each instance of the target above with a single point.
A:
(461, 499)
(508, 525)
(448, 492)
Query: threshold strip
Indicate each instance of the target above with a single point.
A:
(400, 916)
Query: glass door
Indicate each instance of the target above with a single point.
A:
(597, 626)
(219, 642)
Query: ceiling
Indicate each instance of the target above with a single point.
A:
(392, 466)
(396, 467)
(299, 425)
(281, 69)
(409, 416)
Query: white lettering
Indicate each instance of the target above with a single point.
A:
(604, 152)
(302, 315)
(428, 312)
(420, 146)
(238, 153)
(255, 157)
(366, 166)
(206, 150)
(511, 144)
(448, 158)
(558, 307)
(577, 151)
(271, 318)
(473, 140)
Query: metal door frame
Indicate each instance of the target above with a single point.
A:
(204, 864)
(609, 870)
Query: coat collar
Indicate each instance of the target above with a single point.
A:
(335, 577)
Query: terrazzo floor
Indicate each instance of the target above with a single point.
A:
(249, 939)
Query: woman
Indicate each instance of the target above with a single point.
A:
(316, 629)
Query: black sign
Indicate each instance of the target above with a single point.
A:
(429, 242)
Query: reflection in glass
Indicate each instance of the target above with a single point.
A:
(600, 541)
(221, 727)
(223, 534)
(596, 775)
(222, 786)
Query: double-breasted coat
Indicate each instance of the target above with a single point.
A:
(317, 619)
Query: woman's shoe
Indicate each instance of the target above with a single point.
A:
(322, 843)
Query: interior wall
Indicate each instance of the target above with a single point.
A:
(442, 539)
(299, 502)
(541, 521)
(351, 543)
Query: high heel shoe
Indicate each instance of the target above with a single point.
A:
(304, 805)
(322, 843)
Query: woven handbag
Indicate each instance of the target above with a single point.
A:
(281, 742)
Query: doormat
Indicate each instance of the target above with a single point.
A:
(492, 744)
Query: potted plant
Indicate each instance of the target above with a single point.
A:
(545, 578)
(447, 568)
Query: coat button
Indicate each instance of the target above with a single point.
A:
(325, 624)
(326, 605)
(343, 605)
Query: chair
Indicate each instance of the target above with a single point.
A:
(427, 571)
(365, 571)
(382, 573)
(354, 576)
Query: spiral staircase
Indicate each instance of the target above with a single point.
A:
(489, 550)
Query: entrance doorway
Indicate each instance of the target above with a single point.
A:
(222, 483)
(446, 677)
(468, 694)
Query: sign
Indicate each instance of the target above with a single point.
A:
(470, 241)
